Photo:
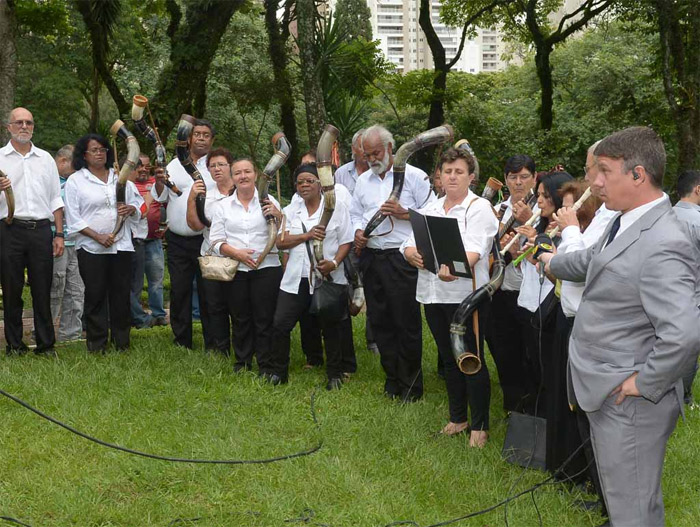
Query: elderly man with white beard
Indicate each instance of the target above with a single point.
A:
(390, 282)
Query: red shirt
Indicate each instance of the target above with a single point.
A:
(153, 217)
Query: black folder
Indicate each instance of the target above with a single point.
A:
(439, 242)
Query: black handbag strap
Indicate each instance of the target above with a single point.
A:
(309, 253)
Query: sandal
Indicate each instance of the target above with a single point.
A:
(454, 429)
(478, 438)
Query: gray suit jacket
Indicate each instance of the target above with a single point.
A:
(639, 310)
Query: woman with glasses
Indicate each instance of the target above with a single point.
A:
(239, 231)
(219, 165)
(302, 274)
(537, 299)
(104, 259)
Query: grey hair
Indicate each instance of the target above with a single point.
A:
(65, 152)
(384, 134)
(637, 145)
(591, 149)
(358, 135)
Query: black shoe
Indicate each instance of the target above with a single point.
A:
(589, 505)
(16, 351)
(49, 353)
(334, 384)
(242, 367)
(273, 379)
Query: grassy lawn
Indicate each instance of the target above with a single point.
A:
(380, 462)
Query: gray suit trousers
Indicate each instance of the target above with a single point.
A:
(629, 441)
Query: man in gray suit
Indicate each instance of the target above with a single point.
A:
(636, 327)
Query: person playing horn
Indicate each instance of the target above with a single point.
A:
(441, 294)
(239, 231)
(184, 244)
(27, 242)
(104, 258)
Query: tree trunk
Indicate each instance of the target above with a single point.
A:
(194, 44)
(313, 92)
(544, 74)
(283, 87)
(8, 63)
(437, 105)
(95, 102)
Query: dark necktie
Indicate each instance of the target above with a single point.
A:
(613, 230)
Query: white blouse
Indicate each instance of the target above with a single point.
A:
(243, 229)
(338, 232)
(90, 202)
(477, 225)
(214, 197)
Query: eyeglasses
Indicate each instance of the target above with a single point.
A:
(219, 165)
(588, 168)
(204, 135)
(301, 182)
(22, 122)
(521, 177)
(98, 151)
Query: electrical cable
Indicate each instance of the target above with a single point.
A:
(55, 421)
(15, 521)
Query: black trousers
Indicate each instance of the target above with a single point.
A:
(289, 310)
(537, 366)
(311, 345)
(107, 279)
(29, 249)
(219, 308)
(563, 436)
(353, 272)
(252, 298)
(506, 338)
(464, 392)
(183, 267)
(392, 309)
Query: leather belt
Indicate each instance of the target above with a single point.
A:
(30, 224)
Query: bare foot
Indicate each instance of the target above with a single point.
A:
(452, 429)
(478, 438)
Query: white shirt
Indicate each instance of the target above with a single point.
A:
(338, 232)
(243, 229)
(371, 192)
(477, 225)
(532, 293)
(575, 240)
(177, 206)
(35, 183)
(347, 176)
(513, 277)
(212, 202)
(92, 203)
(628, 218)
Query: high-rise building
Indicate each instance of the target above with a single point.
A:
(395, 24)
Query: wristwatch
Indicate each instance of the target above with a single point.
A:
(335, 263)
(59, 235)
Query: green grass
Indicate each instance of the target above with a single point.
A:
(379, 463)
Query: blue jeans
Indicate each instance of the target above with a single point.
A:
(148, 259)
(155, 269)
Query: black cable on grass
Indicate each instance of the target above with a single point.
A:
(15, 521)
(55, 421)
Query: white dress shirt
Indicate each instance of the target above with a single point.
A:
(338, 232)
(628, 218)
(214, 197)
(243, 229)
(371, 192)
(35, 183)
(347, 176)
(532, 293)
(575, 240)
(477, 225)
(177, 206)
(90, 202)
